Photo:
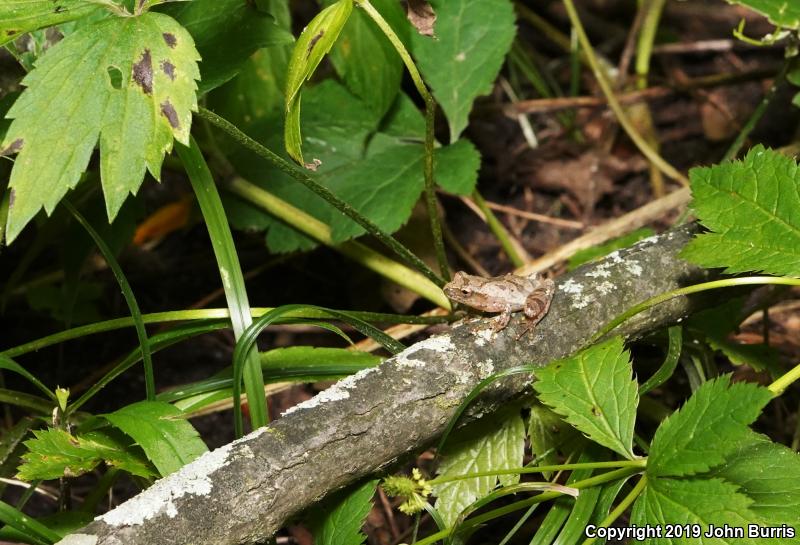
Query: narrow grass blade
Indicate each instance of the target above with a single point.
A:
(130, 298)
(230, 271)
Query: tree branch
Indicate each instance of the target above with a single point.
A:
(245, 491)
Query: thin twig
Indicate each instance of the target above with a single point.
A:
(533, 216)
(612, 229)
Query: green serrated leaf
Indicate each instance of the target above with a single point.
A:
(20, 16)
(752, 208)
(339, 518)
(169, 441)
(71, 101)
(711, 424)
(701, 502)
(781, 13)
(594, 391)
(226, 33)
(313, 44)
(365, 59)
(463, 60)
(495, 442)
(54, 453)
(769, 474)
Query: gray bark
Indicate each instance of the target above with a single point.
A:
(245, 491)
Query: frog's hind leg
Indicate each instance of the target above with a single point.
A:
(537, 305)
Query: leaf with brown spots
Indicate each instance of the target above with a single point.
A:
(71, 103)
(20, 16)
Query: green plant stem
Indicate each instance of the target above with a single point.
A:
(621, 508)
(230, 271)
(780, 385)
(670, 362)
(758, 113)
(130, 299)
(647, 37)
(197, 315)
(544, 496)
(430, 115)
(387, 240)
(688, 290)
(640, 463)
(499, 230)
(614, 104)
(644, 51)
(321, 232)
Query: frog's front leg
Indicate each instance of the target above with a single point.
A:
(501, 321)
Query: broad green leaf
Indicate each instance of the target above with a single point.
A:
(457, 167)
(715, 326)
(169, 441)
(769, 474)
(549, 435)
(781, 13)
(711, 424)
(255, 96)
(752, 208)
(602, 250)
(387, 184)
(594, 391)
(20, 16)
(366, 60)
(127, 81)
(376, 167)
(463, 60)
(314, 43)
(226, 33)
(339, 518)
(117, 450)
(497, 441)
(702, 502)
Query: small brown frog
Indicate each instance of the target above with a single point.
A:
(505, 294)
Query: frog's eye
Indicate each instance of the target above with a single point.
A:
(465, 291)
